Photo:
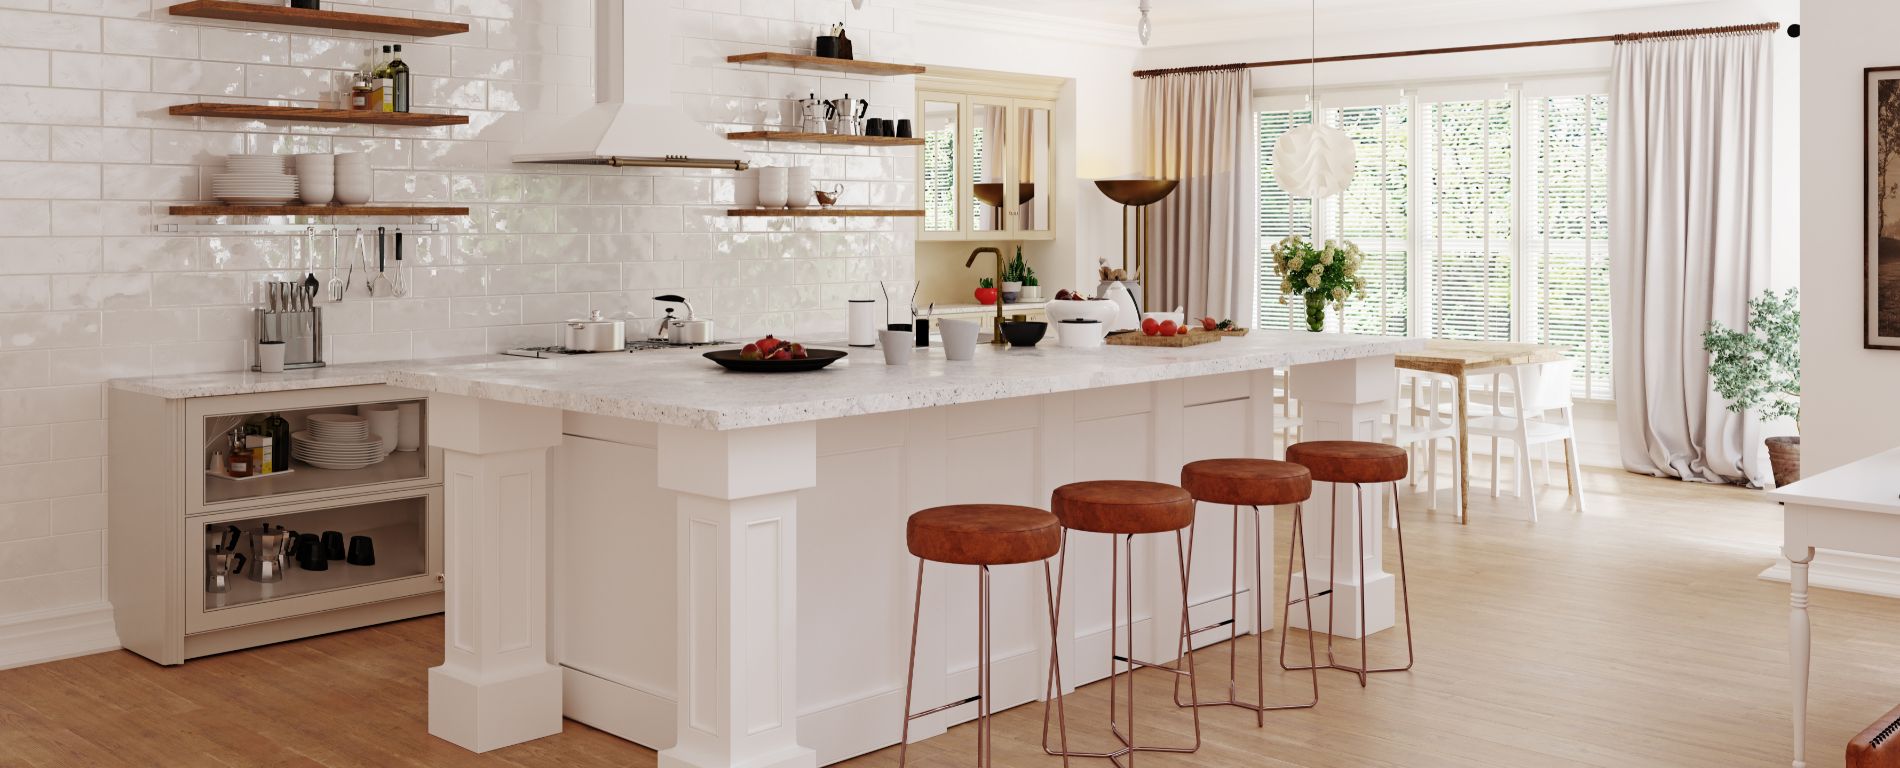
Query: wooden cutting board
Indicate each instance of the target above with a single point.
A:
(1136, 339)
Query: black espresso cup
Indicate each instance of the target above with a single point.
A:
(362, 551)
(310, 553)
(333, 545)
(903, 129)
(826, 47)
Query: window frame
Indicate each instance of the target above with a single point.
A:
(1416, 98)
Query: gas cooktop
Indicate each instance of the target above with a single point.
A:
(632, 346)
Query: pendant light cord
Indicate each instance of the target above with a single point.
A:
(1312, 55)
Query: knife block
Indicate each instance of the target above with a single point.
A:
(301, 332)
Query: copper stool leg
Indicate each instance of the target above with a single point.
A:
(985, 754)
(1365, 534)
(1260, 636)
(1128, 748)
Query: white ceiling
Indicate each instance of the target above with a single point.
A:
(1361, 14)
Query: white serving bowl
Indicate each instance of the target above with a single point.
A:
(1100, 310)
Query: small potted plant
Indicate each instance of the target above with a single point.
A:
(1758, 368)
(1032, 289)
(986, 291)
(1013, 274)
(1319, 274)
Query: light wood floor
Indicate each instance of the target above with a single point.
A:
(1635, 635)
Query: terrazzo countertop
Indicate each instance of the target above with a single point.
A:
(678, 387)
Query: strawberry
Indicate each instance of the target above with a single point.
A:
(1208, 323)
(1150, 326)
(1167, 327)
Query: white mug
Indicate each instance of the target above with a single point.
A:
(798, 187)
(773, 187)
(897, 345)
(270, 356)
(959, 338)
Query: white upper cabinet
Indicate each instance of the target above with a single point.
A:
(988, 162)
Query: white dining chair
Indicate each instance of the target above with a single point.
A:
(1533, 408)
(1426, 411)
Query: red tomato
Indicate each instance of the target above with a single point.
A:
(1150, 326)
(1167, 327)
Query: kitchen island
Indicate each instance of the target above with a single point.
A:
(713, 564)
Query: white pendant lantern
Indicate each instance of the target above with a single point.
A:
(1144, 28)
(1313, 161)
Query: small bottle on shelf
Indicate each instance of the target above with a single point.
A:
(362, 92)
(399, 81)
(239, 462)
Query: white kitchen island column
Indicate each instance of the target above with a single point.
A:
(495, 686)
(737, 566)
(1345, 400)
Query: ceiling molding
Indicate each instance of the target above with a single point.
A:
(989, 18)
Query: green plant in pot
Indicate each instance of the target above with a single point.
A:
(1032, 288)
(1013, 273)
(1318, 275)
(1758, 368)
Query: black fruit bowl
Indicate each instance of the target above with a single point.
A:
(816, 359)
(1024, 334)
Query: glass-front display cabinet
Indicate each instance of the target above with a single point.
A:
(988, 163)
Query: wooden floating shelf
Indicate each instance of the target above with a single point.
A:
(303, 17)
(825, 138)
(315, 115)
(220, 209)
(849, 66)
(812, 213)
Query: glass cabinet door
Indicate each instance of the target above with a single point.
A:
(989, 165)
(1035, 173)
(940, 174)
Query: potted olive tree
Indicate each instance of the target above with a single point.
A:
(1758, 368)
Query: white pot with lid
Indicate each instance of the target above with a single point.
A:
(595, 334)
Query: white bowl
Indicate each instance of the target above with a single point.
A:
(1100, 310)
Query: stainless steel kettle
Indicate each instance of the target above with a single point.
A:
(691, 330)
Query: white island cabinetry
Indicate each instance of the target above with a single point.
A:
(723, 554)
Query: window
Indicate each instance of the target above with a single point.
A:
(1467, 218)
(1567, 234)
(1480, 218)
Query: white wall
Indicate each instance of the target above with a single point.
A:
(89, 158)
(1848, 406)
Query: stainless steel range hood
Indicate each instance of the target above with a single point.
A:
(634, 122)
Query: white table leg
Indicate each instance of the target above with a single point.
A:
(1345, 400)
(738, 588)
(495, 686)
(1798, 647)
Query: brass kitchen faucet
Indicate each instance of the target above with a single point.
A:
(996, 333)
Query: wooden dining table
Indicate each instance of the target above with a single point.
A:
(1461, 359)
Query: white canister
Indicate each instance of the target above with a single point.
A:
(864, 323)
(798, 187)
(408, 426)
(773, 187)
(385, 422)
(270, 356)
(1080, 334)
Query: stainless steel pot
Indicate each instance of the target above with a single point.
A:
(596, 334)
(691, 332)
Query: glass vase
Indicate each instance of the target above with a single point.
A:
(1315, 312)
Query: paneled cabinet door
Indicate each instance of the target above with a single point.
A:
(987, 167)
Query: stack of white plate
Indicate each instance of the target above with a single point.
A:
(337, 441)
(254, 180)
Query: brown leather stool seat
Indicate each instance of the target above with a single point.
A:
(1350, 461)
(1123, 507)
(983, 534)
(1250, 482)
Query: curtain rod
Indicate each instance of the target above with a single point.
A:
(1626, 37)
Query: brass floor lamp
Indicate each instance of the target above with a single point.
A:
(1137, 193)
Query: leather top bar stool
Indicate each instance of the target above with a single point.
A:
(1123, 509)
(982, 535)
(1360, 464)
(1253, 483)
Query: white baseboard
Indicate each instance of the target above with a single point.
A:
(1846, 571)
(57, 634)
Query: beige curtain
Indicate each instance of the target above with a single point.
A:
(1689, 238)
(1198, 128)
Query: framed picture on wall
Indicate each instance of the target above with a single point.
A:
(1882, 127)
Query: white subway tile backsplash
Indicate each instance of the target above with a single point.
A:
(89, 157)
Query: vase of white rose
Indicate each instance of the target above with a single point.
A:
(1318, 274)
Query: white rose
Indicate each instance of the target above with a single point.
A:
(1295, 264)
(1312, 280)
(1326, 258)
